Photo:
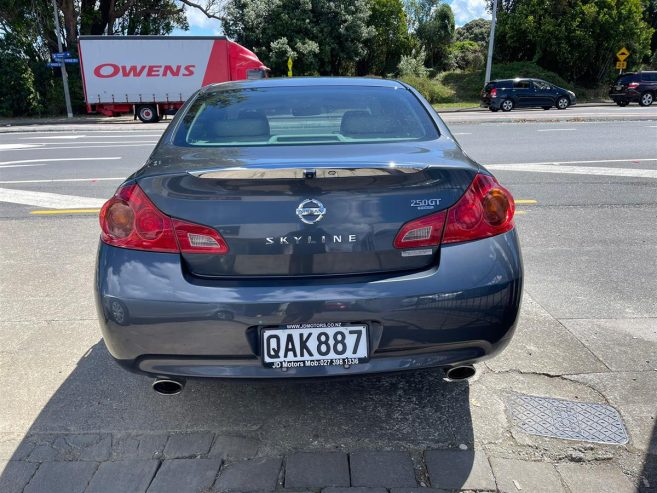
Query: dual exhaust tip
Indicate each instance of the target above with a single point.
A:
(167, 386)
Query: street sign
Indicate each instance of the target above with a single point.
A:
(59, 56)
(289, 66)
(71, 60)
(53, 64)
(622, 54)
(621, 65)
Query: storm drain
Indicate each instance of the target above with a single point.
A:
(570, 420)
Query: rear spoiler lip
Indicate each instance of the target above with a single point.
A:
(287, 172)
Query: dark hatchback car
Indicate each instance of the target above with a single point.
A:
(508, 94)
(307, 228)
(640, 87)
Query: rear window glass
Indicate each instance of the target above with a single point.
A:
(625, 79)
(273, 116)
(521, 84)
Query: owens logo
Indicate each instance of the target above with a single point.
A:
(109, 70)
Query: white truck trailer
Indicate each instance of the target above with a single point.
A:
(151, 76)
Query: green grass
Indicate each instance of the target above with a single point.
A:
(456, 106)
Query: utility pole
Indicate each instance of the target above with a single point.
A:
(491, 42)
(67, 96)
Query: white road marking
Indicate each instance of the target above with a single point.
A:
(21, 165)
(109, 142)
(55, 137)
(89, 147)
(555, 129)
(627, 160)
(461, 133)
(90, 137)
(63, 180)
(576, 170)
(9, 147)
(48, 200)
(113, 158)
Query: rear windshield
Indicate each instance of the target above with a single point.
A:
(625, 79)
(304, 115)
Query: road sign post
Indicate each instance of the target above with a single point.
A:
(289, 66)
(67, 96)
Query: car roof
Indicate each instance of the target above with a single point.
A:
(304, 81)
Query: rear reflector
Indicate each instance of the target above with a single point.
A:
(485, 209)
(131, 220)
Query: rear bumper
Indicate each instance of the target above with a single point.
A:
(629, 96)
(158, 320)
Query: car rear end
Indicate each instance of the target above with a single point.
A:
(301, 229)
(489, 97)
(625, 89)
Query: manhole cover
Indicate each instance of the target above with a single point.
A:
(567, 419)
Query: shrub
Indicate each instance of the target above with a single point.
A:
(432, 90)
(413, 65)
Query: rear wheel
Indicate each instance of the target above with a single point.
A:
(547, 107)
(646, 99)
(147, 114)
(494, 110)
(563, 103)
(622, 103)
(507, 105)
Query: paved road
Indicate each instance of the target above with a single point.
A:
(588, 333)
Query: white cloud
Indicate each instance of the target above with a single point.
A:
(198, 21)
(467, 10)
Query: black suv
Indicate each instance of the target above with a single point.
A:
(525, 93)
(639, 87)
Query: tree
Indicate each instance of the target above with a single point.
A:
(578, 40)
(17, 94)
(322, 36)
(390, 41)
(435, 34)
(477, 31)
(466, 55)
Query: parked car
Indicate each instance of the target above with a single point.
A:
(507, 94)
(336, 220)
(639, 87)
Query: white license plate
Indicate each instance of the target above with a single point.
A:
(310, 345)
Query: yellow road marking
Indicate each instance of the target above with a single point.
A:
(66, 211)
(526, 201)
(521, 212)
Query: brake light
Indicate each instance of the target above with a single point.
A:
(485, 209)
(493, 93)
(422, 232)
(633, 85)
(131, 220)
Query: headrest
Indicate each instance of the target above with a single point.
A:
(249, 127)
(363, 124)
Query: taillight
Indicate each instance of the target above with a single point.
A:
(422, 232)
(493, 93)
(131, 220)
(485, 209)
(633, 85)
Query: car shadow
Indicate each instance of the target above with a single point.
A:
(414, 411)
(648, 477)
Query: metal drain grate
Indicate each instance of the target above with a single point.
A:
(567, 419)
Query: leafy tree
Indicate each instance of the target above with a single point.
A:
(477, 30)
(17, 94)
(418, 12)
(322, 36)
(413, 65)
(578, 39)
(390, 40)
(466, 55)
(435, 34)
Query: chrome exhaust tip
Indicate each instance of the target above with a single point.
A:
(165, 386)
(458, 373)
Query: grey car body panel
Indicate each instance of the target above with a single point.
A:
(162, 314)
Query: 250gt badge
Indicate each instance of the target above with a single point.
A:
(423, 204)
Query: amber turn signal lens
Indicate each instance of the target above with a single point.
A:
(120, 220)
(496, 207)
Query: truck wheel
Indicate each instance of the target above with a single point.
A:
(147, 114)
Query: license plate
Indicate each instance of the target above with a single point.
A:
(618, 88)
(310, 345)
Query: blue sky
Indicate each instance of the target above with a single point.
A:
(200, 25)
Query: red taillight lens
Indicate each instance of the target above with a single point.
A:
(633, 85)
(131, 220)
(422, 232)
(493, 93)
(486, 209)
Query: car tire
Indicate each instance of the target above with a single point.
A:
(147, 114)
(647, 99)
(494, 110)
(547, 107)
(622, 103)
(562, 103)
(507, 105)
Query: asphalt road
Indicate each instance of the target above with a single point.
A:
(586, 195)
